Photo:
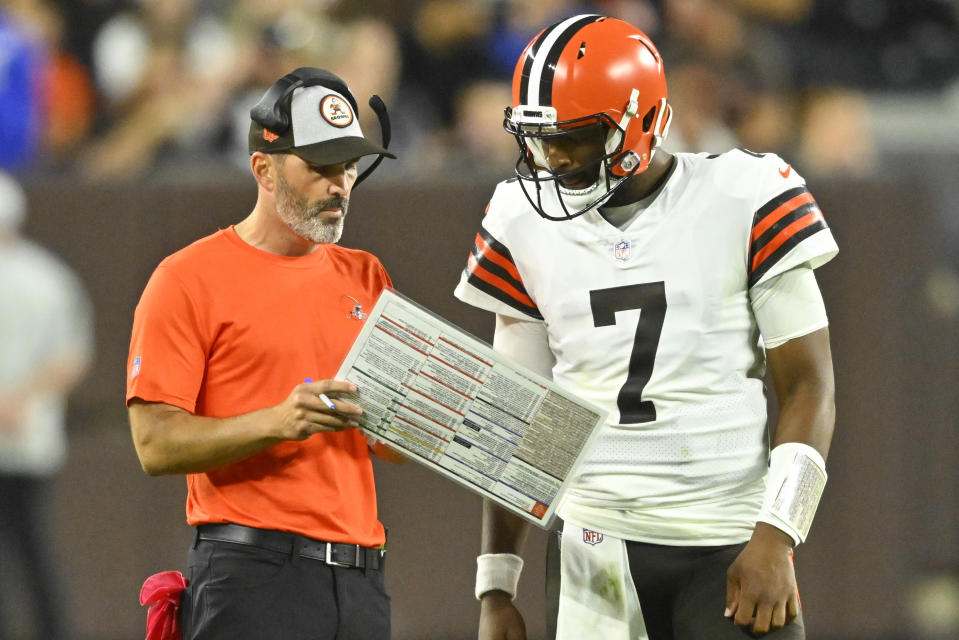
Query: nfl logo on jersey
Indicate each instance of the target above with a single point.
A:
(592, 537)
(621, 250)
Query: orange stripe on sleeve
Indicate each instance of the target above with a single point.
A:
(489, 253)
(499, 283)
(810, 218)
(777, 214)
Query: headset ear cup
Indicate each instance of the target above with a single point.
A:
(269, 110)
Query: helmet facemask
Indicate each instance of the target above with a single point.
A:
(536, 129)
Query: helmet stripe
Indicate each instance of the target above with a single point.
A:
(538, 85)
(528, 64)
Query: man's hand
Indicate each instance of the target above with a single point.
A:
(304, 413)
(170, 439)
(499, 618)
(761, 589)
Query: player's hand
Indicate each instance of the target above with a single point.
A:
(500, 619)
(304, 413)
(761, 590)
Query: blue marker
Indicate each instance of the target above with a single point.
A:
(328, 402)
(324, 398)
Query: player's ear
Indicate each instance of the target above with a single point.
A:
(262, 167)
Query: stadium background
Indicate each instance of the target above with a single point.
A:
(135, 148)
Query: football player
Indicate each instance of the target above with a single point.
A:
(659, 286)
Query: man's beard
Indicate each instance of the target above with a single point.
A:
(306, 219)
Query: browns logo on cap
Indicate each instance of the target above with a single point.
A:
(336, 111)
(323, 129)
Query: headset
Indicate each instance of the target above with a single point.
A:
(272, 112)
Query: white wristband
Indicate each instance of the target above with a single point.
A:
(794, 485)
(497, 571)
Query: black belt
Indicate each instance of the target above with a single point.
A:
(332, 553)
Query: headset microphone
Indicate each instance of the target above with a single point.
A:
(377, 104)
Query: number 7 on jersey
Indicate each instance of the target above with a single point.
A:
(650, 299)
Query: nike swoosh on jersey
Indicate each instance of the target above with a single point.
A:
(778, 226)
(491, 269)
(785, 172)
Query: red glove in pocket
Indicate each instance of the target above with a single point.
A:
(162, 591)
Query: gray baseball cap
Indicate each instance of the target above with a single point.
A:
(323, 127)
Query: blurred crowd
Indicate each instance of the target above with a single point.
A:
(114, 90)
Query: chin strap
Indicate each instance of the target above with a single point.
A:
(660, 128)
(615, 140)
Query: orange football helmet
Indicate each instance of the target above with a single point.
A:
(585, 71)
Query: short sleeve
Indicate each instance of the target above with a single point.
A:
(168, 347)
(788, 228)
(491, 279)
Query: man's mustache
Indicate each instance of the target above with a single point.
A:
(335, 202)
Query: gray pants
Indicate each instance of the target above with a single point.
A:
(25, 538)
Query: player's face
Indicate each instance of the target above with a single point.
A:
(313, 199)
(573, 155)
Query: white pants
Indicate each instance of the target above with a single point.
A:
(597, 598)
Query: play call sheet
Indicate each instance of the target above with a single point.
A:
(447, 400)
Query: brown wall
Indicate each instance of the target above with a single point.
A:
(890, 505)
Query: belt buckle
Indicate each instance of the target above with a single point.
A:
(331, 561)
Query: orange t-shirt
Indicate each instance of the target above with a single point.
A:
(222, 329)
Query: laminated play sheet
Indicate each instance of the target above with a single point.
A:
(446, 399)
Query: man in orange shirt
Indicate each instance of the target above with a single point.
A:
(280, 484)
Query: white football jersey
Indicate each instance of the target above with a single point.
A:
(653, 323)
